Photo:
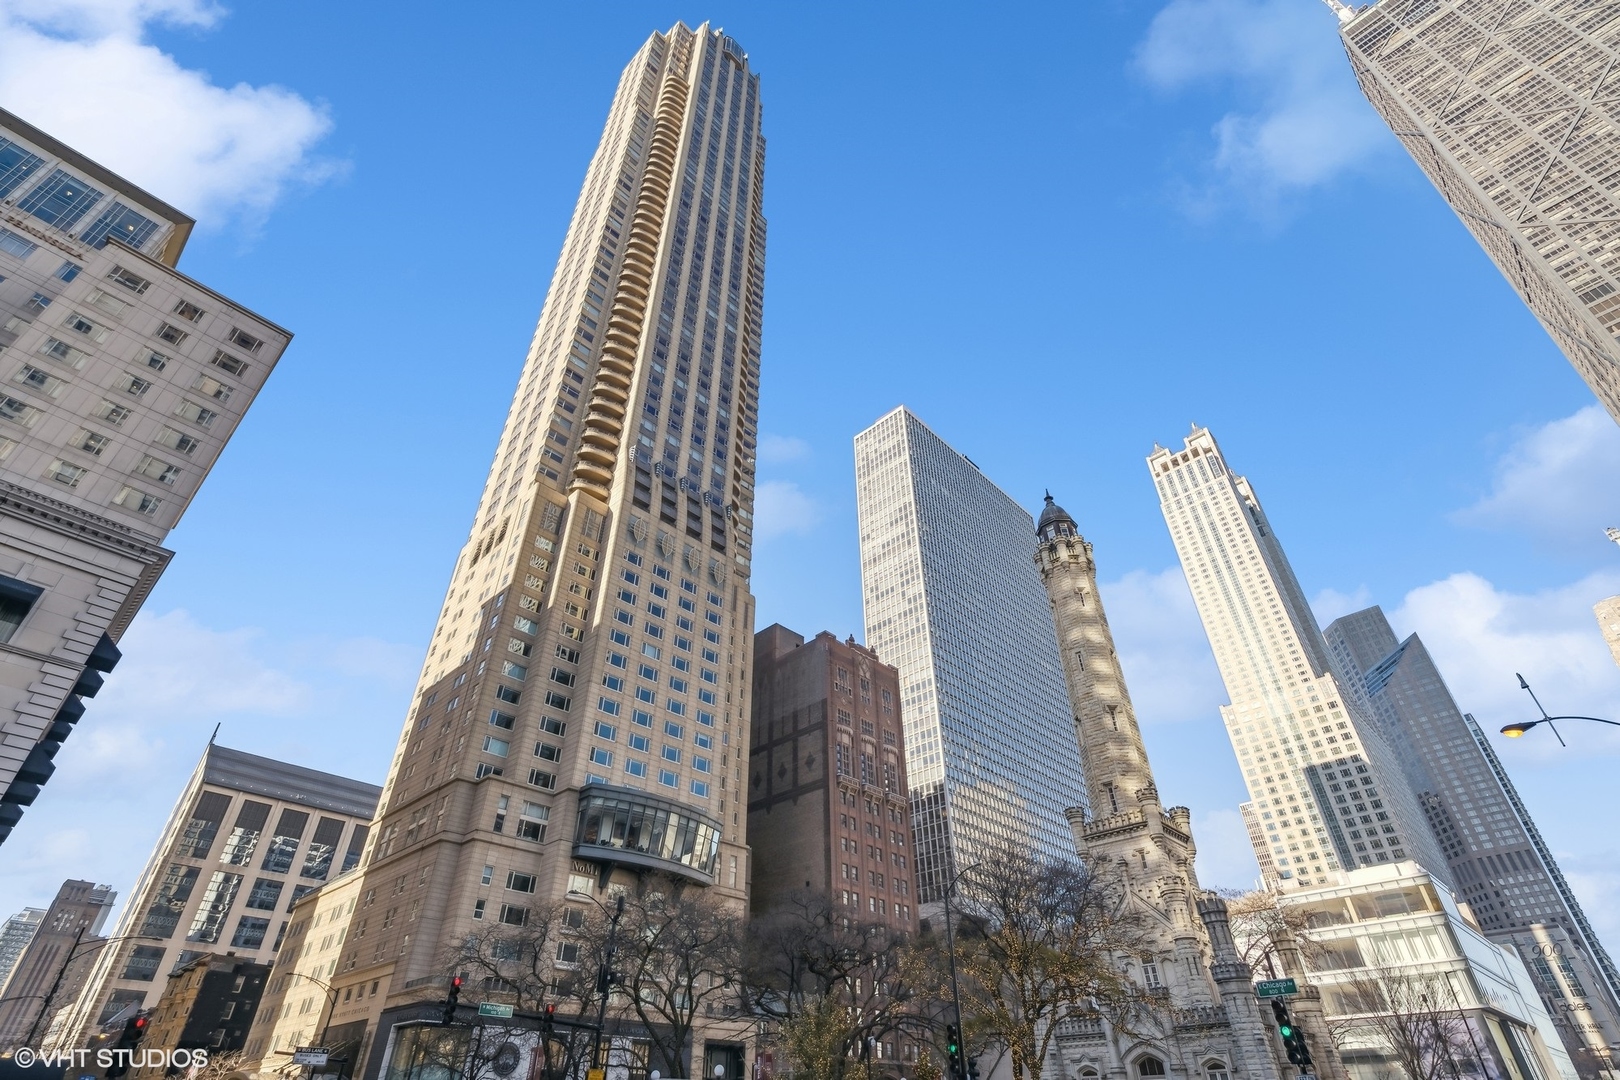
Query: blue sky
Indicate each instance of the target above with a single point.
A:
(1058, 232)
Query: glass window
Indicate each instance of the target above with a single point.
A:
(250, 931)
(16, 165)
(61, 199)
(119, 222)
(265, 894)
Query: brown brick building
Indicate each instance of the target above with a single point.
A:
(828, 802)
(208, 1004)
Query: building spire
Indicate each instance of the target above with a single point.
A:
(1343, 11)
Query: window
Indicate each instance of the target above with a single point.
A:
(1216, 1070)
(668, 779)
(519, 672)
(244, 340)
(674, 730)
(250, 932)
(541, 779)
(512, 915)
(156, 361)
(226, 362)
(502, 720)
(188, 311)
(478, 908)
(639, 742)
(700, 788)
(606, 731)
(265, 895)
(212, 387)
(112, 413)
(608, 705)
(516, 882)
(568, 951)
(119, 222)
(16, 165)
(64, 473)
(41, 382)
(64, 353)
(119, 276)
(138, 501)
(143, 963)
(134, 385)
(635, 767)
(1149, 1066)
(190, 410)
(172, 334)
(158, 469)
(495, 746)
(672, 753)
(61, 199)
(16, 600)
(601, 757)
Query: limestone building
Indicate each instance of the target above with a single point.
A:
(54, 964)
(121, 380)
(829, 808)
(248, 836)
(1326, 790)
(1506, 108)
(952, 600)
(582, 716)
(1211, 1023)
(1497, 860)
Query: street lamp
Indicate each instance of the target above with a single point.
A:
(1513, 731)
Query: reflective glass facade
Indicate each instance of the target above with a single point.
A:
(954, 601)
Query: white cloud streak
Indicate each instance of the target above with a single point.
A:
(1300, 120)
(82, 71)
(782, 449)
(1557, 482)
(782, 508)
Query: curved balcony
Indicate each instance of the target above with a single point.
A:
(632, 828)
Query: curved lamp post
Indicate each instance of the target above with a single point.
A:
(1513, 731)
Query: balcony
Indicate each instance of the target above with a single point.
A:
(633, 828)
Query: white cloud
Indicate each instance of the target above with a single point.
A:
(1556, 482)
(780, 508)
(1225, 856)
(1481, 636)
(82, 71)
(1162, 649)
(1302, 121)
(780, 449)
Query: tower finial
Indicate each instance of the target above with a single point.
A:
(1048, 494)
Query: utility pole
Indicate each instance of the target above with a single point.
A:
(50, 995)
(604, 983)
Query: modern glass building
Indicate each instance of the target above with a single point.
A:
(1510, 110)
(1499, 863)
(954, 601)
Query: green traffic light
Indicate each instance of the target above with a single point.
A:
(1286, 1032)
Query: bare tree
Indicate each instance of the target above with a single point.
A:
(518, 964)
(1415, 1017)
(832, 982)
(1040, 940)
(677, 955)
(1259, 920)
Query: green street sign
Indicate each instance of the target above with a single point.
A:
(489, 1008)
(1268, 988)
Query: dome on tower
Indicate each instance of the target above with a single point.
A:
(1055, 521)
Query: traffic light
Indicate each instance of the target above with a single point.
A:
(1293, 1039)
(972, 1068)
(549, 1020)
(953, 1051)
(450, 999)
(128, 1040)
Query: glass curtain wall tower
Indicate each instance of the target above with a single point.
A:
(581, 717)
(1326, 791)
(954, 601)
(1510, 107)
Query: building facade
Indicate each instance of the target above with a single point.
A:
(301, 1006)
(1326, 790)
(121, 380)
(1399, 963)
(247, 837)
(15, 934)
(1499, 864)
(829, 808)
(208, 1003)
(1505, 109)
(53, 966)
(589, 673)
(953, 601)
(1211, 1021)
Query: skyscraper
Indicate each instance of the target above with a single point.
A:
(582, 716)
(248, 836)
(1326, 791)
(1507, 108)
(953, 600)
(15, 934)
(122, 381)
(1498, 861)
(53, 966)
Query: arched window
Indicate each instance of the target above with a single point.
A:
(1216, 1070)
(1149, 1066)
(1088, 1073)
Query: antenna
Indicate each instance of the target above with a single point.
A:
(214, 736)
(1343, 11)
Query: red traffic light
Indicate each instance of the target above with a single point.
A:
(140, 1022)
(551, 1010)
(455, 981)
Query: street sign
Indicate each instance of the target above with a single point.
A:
(1307, 1076)
(489, 1008)
(595, 1074)
(1267, 988)
(311, 1055)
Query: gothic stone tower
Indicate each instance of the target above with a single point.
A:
(1151, 847)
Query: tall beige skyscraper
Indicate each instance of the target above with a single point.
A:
(1326, 791)
(582, 716)
(1508, 108)
(121, 379)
